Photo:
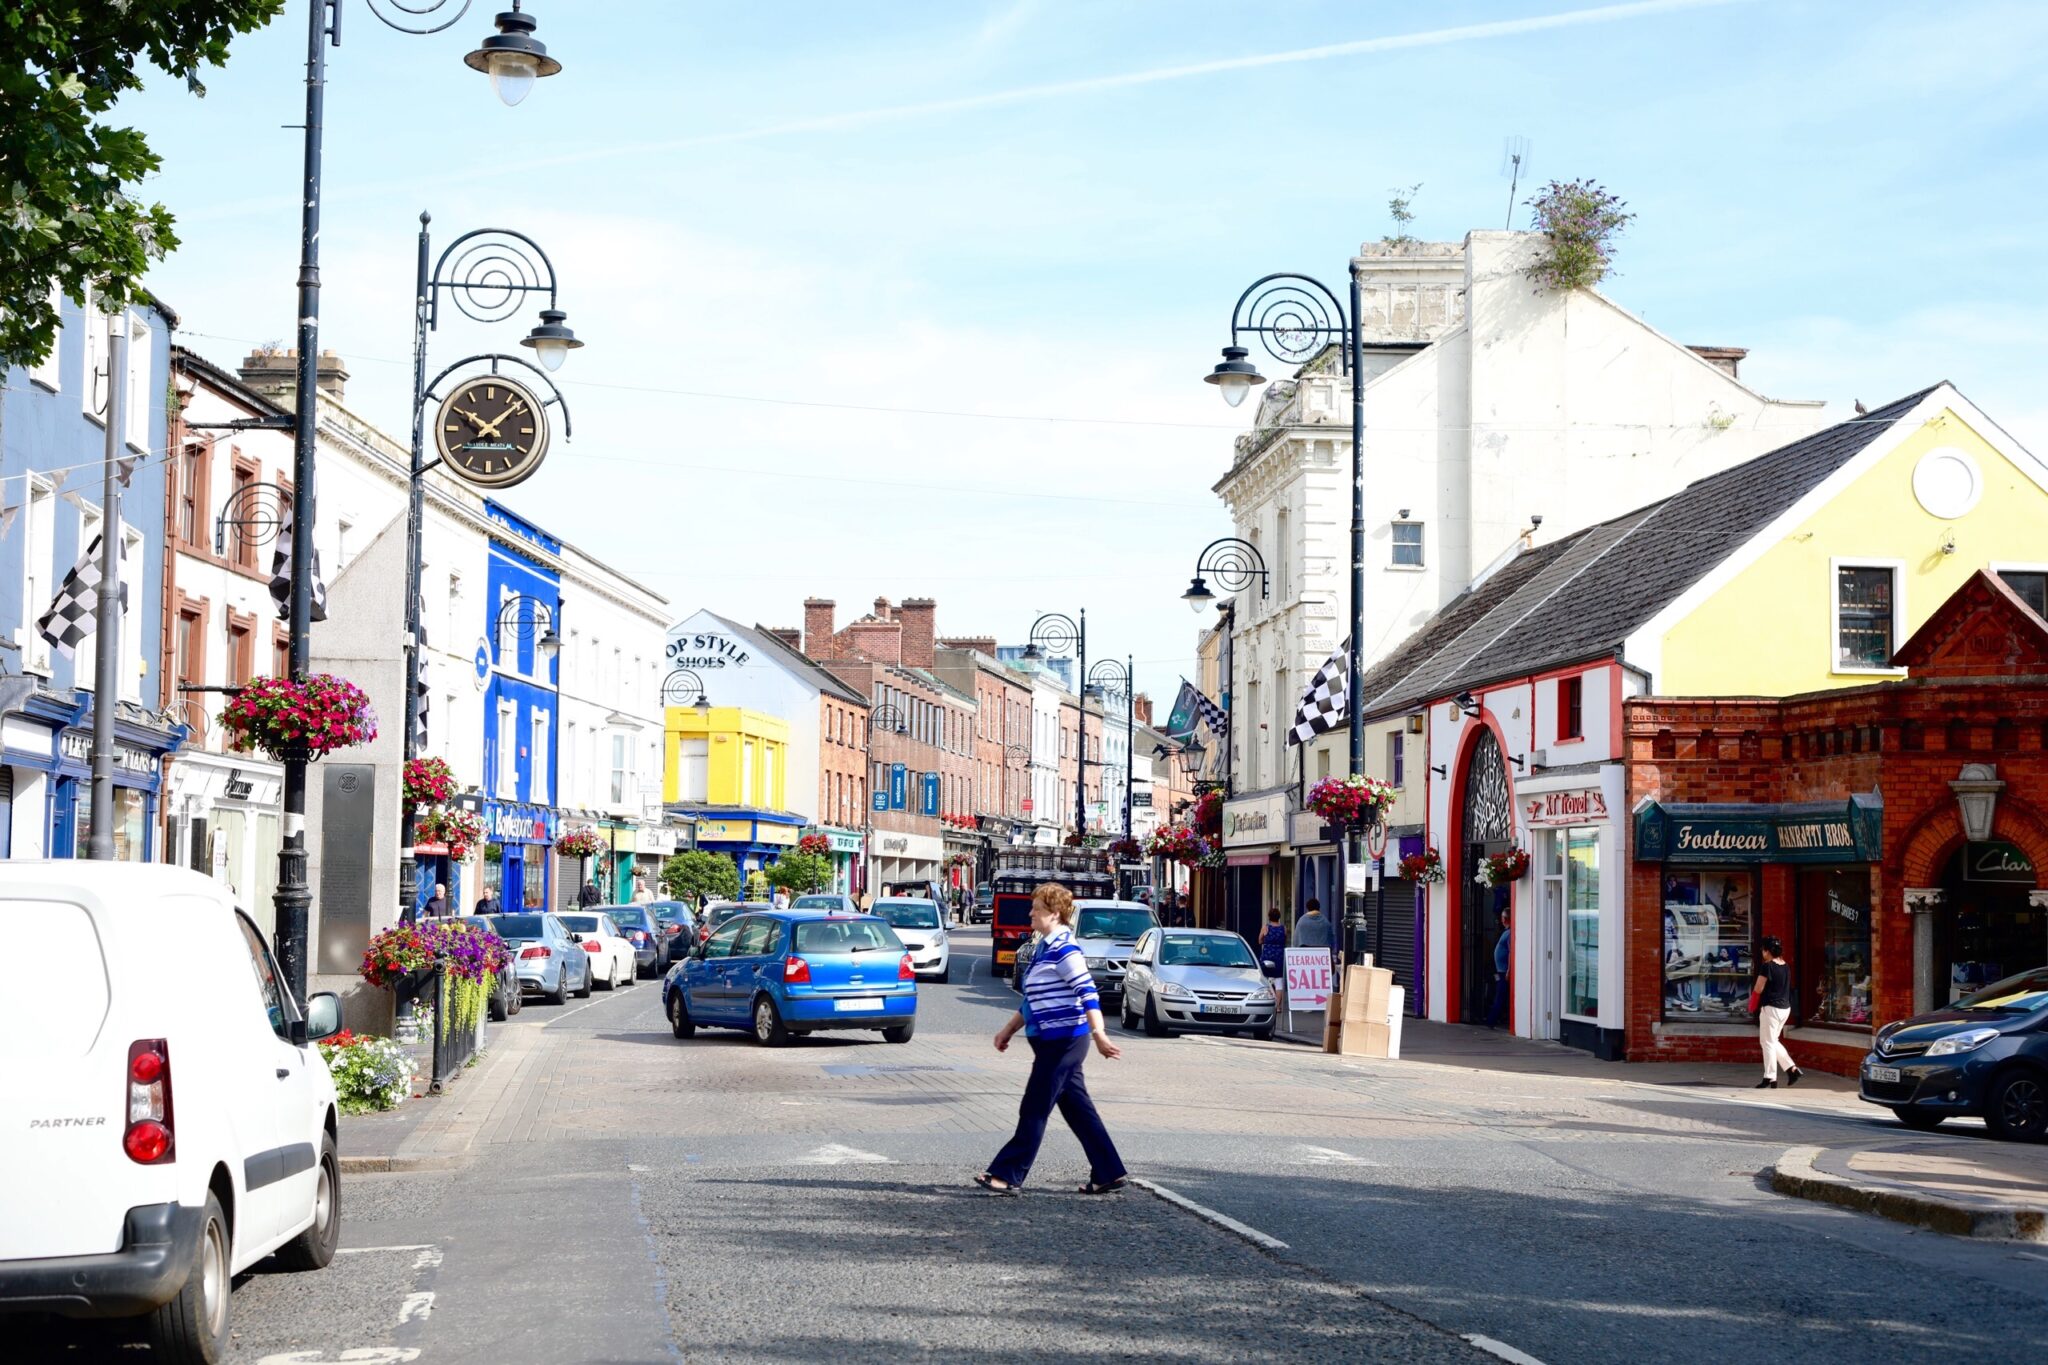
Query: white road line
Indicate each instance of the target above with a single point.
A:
(1329, 1156)
(365, 1251)
(838, 1154)
(1209, 1215)
(360, 1355)
(419, 1305)
(1501, 1349)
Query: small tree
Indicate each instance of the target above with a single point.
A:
(700, 876)
(1578, 217)
(1400, 207)
(798, 873)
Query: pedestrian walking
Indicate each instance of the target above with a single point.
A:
(437, 904)
(1312, 930)
(780, 900)
(588, 896)
(487, 903)
(1771, 999)
(1273, 945)
(1503, 953)
(642, 892)
(1060, 1017)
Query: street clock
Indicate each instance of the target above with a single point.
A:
(492, 431)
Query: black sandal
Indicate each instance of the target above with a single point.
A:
(990, 1183)
(1111, 1188)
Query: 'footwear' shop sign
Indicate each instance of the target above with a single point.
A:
(1802, 832)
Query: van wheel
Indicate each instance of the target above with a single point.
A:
(768, 1026)
(679, 1021)
(899, 1034)
(2018, 1108)
(192, 1329)
(314, 1248)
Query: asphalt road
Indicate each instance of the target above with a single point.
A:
(648, 1199)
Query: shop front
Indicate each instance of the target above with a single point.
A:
(46, 775)
(906, 857)
(752, 838)
(658, 843)
(1256, 870)
(518, 865)
(1572, 962)
(221, 817)
(843, 853)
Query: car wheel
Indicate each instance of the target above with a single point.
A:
(768, 1027)
(1127, 1019)
(611, 976)
(945, 973)
(314, 1248)
(2018, 1107)
(679, 1022)
(589, 980)
(560, 994)
(192, 1329)
(500, 1009)
(1923, 1120)
(1264, 1035)
(899, 1034)
(1153, 1027)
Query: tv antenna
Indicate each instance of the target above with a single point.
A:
(1514, 159)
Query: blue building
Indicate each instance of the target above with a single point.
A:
(52, 457)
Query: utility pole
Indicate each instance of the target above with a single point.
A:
(106, 698)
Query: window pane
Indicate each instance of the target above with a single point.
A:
(1709, 939)
(1864, 605)
(1833, 965)
(2031, 587)
(1582, 923)
(1408, 543)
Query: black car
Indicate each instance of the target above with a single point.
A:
(636, 922)
(1985, 1055)
(677, 924)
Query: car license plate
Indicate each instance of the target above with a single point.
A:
(1005, 956)
(1887, 1075)
(847, 1004)
(1223, 1009)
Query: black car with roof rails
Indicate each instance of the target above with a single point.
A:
(1986, 1055)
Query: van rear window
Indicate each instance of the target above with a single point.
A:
(57, 1009)
(1012, 910)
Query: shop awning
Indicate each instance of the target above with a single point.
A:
(1850, 831)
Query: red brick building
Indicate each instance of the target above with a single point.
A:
(1893, 837)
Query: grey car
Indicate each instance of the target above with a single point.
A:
(636, 922)
(1196, 980)
(545, 958)
(832, 902)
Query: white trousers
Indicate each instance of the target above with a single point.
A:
(1770, 1022)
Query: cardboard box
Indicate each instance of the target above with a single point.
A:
(1366, 1039)
(1366, 994)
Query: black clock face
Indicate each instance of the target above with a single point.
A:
(493, 431)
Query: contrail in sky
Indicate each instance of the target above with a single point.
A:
(1025, 94)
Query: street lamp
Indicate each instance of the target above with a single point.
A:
(486, 273)
(512, 57)
(1110, 676)
(682, 687)
(528, 620)
(323, 27)
(889, 720)
(1236, 564)
(1051, 636)
(1295, 317)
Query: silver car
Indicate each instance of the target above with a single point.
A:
(1106, 932)
(545, 956)
(1192, 980)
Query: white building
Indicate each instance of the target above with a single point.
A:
(1048, 813)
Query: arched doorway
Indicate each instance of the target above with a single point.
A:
(1988, 927)
(1488, 826)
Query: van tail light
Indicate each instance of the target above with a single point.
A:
(904, 971)
(591, 945)
(536, 950)
(148, 1138)
(796, 972)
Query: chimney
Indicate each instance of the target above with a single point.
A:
(1141, 705)
(818, 627)
(881, 641)
(882, 612)
(275, 373)
(789, 635)
(920, 638)
(983, 644)
(1726, 359)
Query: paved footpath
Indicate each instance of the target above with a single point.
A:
(610, 1193)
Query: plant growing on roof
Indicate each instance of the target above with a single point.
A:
(1577, 218)
(1400, 207)
(312, 717)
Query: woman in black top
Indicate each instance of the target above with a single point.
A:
(1774, 1006)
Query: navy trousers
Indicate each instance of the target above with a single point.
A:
(1056, 1081)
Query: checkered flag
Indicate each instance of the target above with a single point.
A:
(420, 689)
(72, 616)
(1322, 706)
(1213, 716)
(281, 573)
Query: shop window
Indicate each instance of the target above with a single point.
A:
(1582, 922)
(1710, 919)
(1866, 617)
(1397, 768)
(1831, 973)
(1407, 543)
(2031, 586)
(1571, 708)
(192, 494)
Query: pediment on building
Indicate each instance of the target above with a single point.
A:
(1983, 630)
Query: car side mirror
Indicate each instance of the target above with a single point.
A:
(575, 938)
(323, 1018)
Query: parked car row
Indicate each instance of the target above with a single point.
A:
(557, 956)
(1166, 981)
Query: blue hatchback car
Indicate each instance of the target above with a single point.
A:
(784, 972)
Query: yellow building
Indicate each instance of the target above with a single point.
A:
(729, 767)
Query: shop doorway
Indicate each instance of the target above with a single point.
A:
(1988, 929)
(1488, 828)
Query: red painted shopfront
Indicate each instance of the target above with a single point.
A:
(1894, 837)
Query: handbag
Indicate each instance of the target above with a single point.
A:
(1756, 998)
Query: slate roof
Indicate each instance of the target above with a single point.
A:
(1581, 597)
(795, 660)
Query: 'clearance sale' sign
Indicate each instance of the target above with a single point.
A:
(1308, 979)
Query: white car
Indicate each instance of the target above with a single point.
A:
(169, 1122)
(921, 924)
(612, 963)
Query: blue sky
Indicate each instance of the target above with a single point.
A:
(1041, 211)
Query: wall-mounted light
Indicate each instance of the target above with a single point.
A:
(1977, 788)
(1466, 703)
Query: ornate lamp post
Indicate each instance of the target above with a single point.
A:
(1110, 677)
(1236, 564)
(1052, 635)
(486, 274)
(323, 26)
(682, 687)
(1294, 317)
(889, 720)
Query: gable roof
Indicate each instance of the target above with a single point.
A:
(1984, 629)
(1599, 585)
(794, 660)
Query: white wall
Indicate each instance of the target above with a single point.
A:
(736, 672)
(613, 632)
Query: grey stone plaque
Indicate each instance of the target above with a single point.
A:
(347, 826)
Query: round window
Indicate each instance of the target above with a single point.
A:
(1947, 483)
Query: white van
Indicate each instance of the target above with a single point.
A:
(168, 1122)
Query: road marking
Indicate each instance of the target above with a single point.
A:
(1209, 1215)
(1330, 1156)
(631, 1167)
(361, 1355)
(428, 1259)
(420, 1305)
(2031, 1255)
(1501, 1349)
(365, 1251)
(838, 1154)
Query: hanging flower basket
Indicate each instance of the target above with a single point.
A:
(1498, 869)
(394, 955)
(582, 842)
(817, 845)
(1426, 867)
(1126, 849)
(1208, 816)
(1084, 841)
(429, 781)
(288, 718)
(960, 860)
(460, 830)
(1181, 844)
(1351, 800)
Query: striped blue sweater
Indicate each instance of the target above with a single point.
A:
(1058, 992)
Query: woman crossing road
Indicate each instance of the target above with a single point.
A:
(1060, 1017)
